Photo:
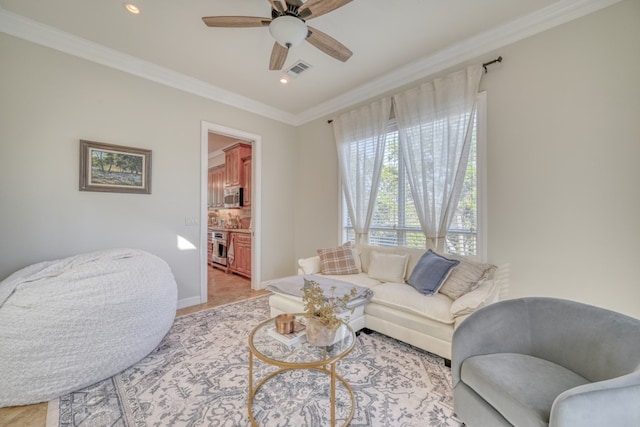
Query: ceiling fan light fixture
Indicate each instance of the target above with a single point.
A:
(132, 8)
(288, 31)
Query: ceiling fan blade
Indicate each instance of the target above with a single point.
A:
(328, 45)
(315, 8)
(278, 56)
(279, 5)
(236, 21)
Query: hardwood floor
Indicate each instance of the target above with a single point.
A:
(24, 416)
(223, 289)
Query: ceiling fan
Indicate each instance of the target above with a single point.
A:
(287, 26)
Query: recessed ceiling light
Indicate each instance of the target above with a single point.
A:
(132, 8)
(284, 80)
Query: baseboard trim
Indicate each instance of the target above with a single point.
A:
(188, 302)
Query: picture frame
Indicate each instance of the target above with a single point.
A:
(114, 168)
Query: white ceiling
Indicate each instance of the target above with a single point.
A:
(393, 43)
(218, 142)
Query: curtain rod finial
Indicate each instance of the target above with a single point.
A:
(486, 64)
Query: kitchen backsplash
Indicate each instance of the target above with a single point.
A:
(230, 218)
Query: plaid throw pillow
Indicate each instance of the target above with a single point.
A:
(337, 260)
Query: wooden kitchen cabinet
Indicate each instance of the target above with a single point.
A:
(219, 186)
(210, 188)
(216, 186)
(234, 170)
(242, 253)
(246, 166)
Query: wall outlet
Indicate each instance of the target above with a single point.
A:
(191, 221)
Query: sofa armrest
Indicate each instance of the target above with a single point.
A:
(501, 327)
(474, 300)
(611, 402)
(309, 265)
(501, 277)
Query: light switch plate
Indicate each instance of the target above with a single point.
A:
(190, 221)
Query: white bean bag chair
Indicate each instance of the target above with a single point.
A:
(69, 323)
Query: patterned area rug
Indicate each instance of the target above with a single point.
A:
(198, 376)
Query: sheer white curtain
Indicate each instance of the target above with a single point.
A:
(435, 124)
(360, 140)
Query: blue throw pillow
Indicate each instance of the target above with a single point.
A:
(430, 272)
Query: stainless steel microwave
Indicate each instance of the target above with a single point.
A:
(233, 197)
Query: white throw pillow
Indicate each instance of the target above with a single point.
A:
(356, 258)
(387, 267)
(471, 301)
(310, 265)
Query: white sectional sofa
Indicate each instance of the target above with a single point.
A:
(397, 309)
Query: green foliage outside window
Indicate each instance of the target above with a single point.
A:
(395, 221)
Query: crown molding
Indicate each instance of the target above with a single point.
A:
(36, 32)
(474, 47)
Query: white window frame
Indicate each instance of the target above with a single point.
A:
(481, 153)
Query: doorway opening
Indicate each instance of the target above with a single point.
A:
(230, 215)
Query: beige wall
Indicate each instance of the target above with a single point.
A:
(563, 148)
(50, 100)
(317, 222)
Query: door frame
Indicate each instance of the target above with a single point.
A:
(256, 201)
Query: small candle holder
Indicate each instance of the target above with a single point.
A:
(285, 323)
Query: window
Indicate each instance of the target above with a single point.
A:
(395, 221)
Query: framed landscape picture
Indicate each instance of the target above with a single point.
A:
(114, 168)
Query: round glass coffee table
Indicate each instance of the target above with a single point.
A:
(299, 355)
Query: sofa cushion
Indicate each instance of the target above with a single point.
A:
(388, 267)
(465, 277)
(504, 381)
(483, 295)
(310, 265)
(337, 260)
(360, 279)
(356, 258)
(406, 298)
(365, 254)
(410, 327)
(431, 272)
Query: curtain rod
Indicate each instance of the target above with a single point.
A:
(484, 65)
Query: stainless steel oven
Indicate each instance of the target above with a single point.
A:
(219, 239)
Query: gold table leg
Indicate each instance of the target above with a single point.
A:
(333, 394)
(250, 400)
(333, 377)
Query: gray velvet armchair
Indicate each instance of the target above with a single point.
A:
(547, 362)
